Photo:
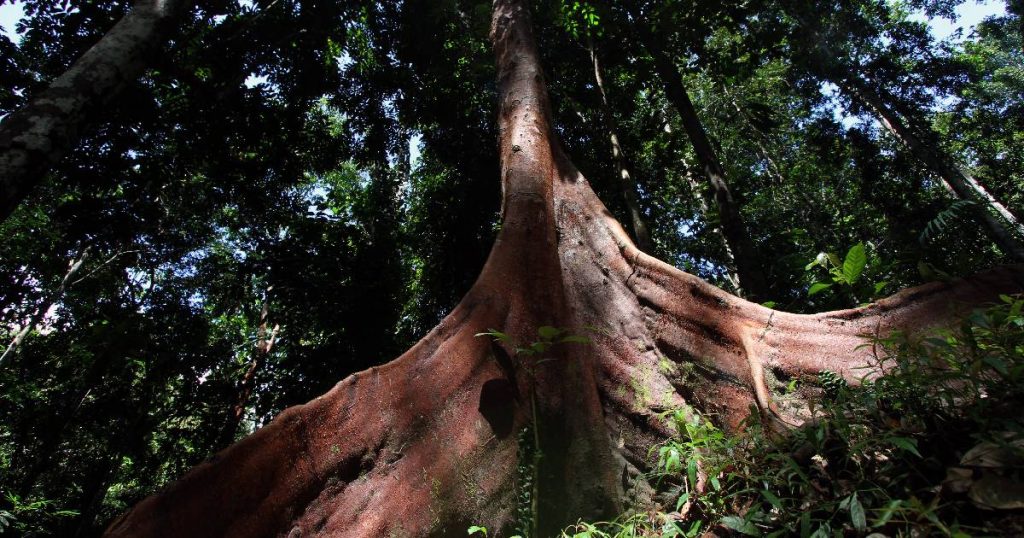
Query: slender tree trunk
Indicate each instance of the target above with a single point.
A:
(626, 183)
(36, 136)
(956, 179)
(438, 439)
(261, 350)
(705, 211)
(37, 315)
(749, 267)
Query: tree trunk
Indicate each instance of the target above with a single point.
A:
(956, 179)
(824, 60)
(36, 136)
(749, 267)
(705, 212)
(439, 438)
(626, 183)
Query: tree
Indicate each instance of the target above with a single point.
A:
(902, 121)
(740, 248)
(428, 443)
(34, 137)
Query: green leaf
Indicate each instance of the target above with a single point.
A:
(574, 339)
(857, 516)
(817, 288)
(682, 500)
(477, 530)
(1015, 308)
(740, 525)
(907, 444)
(997, 363)
(548, 332)
(672, 462)
(497, 335)
(853, 265)
(691, 472)
(772, 498)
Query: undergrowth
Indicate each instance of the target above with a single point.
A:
(934, 446)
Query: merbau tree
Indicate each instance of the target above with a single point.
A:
(449, 433)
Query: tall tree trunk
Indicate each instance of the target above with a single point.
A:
(261, 350)
(705, 212)
(956, 179)
(626, 183)
(429, 443)
(749, 267)
(36, 136)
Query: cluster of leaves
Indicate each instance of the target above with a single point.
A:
(847, 275)
(932, 447)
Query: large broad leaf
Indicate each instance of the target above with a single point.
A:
(817, 288)
(853, 265)
(740, 525)
(994, 491)
(548, 332)
(857, 516)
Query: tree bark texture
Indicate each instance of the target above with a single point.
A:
(956, 179)
(36, 136)
(430, 443)
(749, 269)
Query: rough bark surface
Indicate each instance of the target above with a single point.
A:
(429, 443)
(36, 136)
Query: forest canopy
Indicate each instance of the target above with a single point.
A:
(288, 192)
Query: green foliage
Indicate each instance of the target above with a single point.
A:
(945, 219)
(22, 516)
(254, 167)
(846, 273)
(547, 337)
(580, 18)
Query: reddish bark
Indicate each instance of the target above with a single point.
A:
(427, 444)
